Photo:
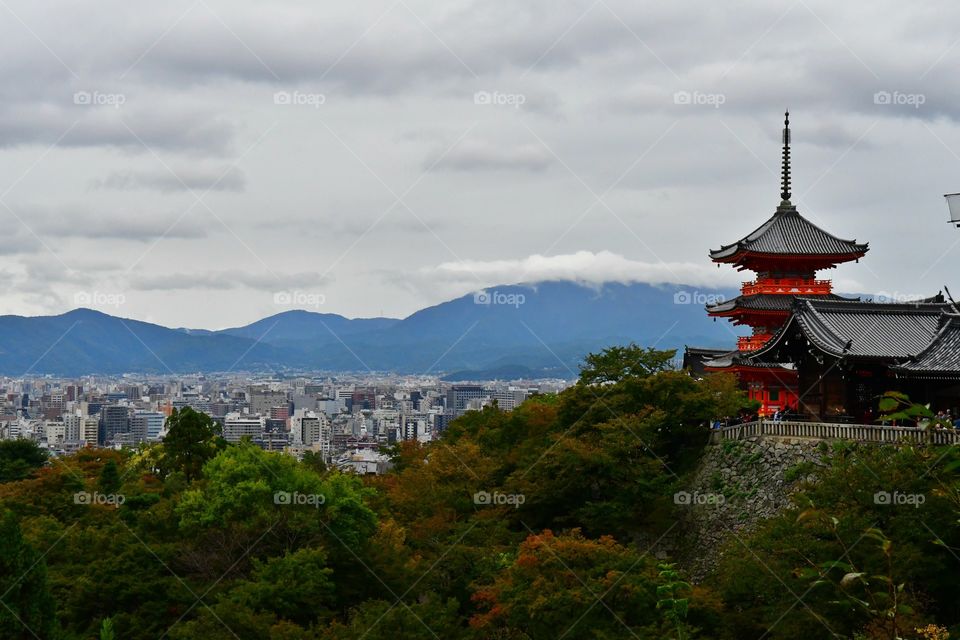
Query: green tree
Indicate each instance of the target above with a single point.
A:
(293, 592)
(878, 596)
(109, 481)
(429, 618)
(19, 459)
(192, 439)
(819, 547)
(271, 504)
(28, 610)
(106, 629)
(674, 598)
(613, 364)
(314, 461)
(897, 407)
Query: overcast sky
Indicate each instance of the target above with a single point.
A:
(185, 162)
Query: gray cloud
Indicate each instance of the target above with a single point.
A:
(140, 129)
(227, 281)
(191, 87)
(77, 221)
(15, 238)
(196, 179)
(482, 155)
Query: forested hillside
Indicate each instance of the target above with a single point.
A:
(554, 520)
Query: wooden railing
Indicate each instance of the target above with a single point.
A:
(867, 433)
(752, 343)
(796, 286)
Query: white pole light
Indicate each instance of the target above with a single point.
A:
(953, 202)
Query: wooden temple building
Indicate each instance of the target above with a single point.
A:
(813, 352)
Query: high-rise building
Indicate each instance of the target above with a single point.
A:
(363, 400)
(114, 419)
(509, 399)
(459, 397)
(236, 426)
(72, 424)
(89, 430)
(147, 425)
(262, 400)
(312, 429)
(280, 413)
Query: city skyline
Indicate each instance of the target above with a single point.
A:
(386, 158)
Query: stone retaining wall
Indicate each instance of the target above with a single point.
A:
(739, 484)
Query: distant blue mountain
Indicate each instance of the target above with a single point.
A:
(85, 341)
(295, 327)
(543, 329)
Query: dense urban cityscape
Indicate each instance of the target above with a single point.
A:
(345, 420)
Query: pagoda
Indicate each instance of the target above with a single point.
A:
(785, 253)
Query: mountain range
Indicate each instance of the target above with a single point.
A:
(505, 332)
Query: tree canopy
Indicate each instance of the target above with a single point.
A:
(554, 520)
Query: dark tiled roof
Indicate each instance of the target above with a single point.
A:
(694, 357)
(763, 302)
(941, 358)
(789, 233)
(704, 351)
(875, 330)
(741, 358)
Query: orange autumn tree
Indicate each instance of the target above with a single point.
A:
(573, 587)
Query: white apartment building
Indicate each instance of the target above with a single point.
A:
(312, 429)
(54, 432)
(71, 425)
(148, 423)
(90, 430)
(238, 425)
(509, 399)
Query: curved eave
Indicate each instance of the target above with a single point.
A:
(788, 232)
(784, 332)
(743, 311)
(724, 256)
(739, 367)
(766, 304)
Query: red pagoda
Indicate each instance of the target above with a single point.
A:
(785, 252)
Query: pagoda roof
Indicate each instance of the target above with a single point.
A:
(941, 358)
(741, 359)
(787, 233)
(763, 302)
(697, 359)
(694, 357)
(864, 330)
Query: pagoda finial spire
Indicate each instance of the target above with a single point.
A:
(785, 175)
